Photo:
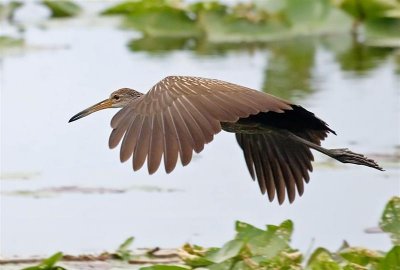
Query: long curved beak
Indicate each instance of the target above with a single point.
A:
(105, 104)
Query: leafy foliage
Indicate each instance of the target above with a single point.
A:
(62, 8)
(258, 21)
(263, 249)
(370, 9)
(48, 264)
(267, 248)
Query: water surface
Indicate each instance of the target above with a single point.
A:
(63, 189)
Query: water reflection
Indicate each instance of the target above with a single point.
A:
(200, 46)
(360, 59)
(289, 70)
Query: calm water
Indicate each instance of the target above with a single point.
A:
(63, 189)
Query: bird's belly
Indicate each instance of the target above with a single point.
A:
(243, 126)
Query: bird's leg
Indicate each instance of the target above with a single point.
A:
(343, 155)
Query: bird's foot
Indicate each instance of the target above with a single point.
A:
(346, 156)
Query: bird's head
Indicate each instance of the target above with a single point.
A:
(118, 99)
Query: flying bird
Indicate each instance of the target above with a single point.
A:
(180, 114)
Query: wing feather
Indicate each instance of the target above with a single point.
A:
(180, 115)
(171, 145)
(131, 137)
(142, 143)
(156, 145)
(281, 165)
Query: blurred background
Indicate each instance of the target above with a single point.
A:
(63, 189)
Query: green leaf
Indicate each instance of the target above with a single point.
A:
(48, 264)
(163, 22)
(284, 230)
(360, 256)
(246, 231)
(225, 265)
(390, 220)
(244, 265)
(369, 9)
(62, 8)
(322, 259)
(229, 250)
(267, 245)
(123, 251)
(139, 6)
(271, 242)
(165, 267)
(391, 260)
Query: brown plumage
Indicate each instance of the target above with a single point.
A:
(180, 115)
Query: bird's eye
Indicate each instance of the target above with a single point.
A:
(116, 97)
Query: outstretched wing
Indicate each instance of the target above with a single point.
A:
(279, 163)
(181, 114)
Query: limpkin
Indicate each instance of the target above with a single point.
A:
(181, 114)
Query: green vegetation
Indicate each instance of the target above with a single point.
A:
(264, 249)
(62, 8)
(9, 42)
(48, 264)
(254, 248)
(261, 21)
(123, 252)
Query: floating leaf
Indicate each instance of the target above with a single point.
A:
(62, 8)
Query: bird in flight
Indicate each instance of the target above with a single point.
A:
(180, 114)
